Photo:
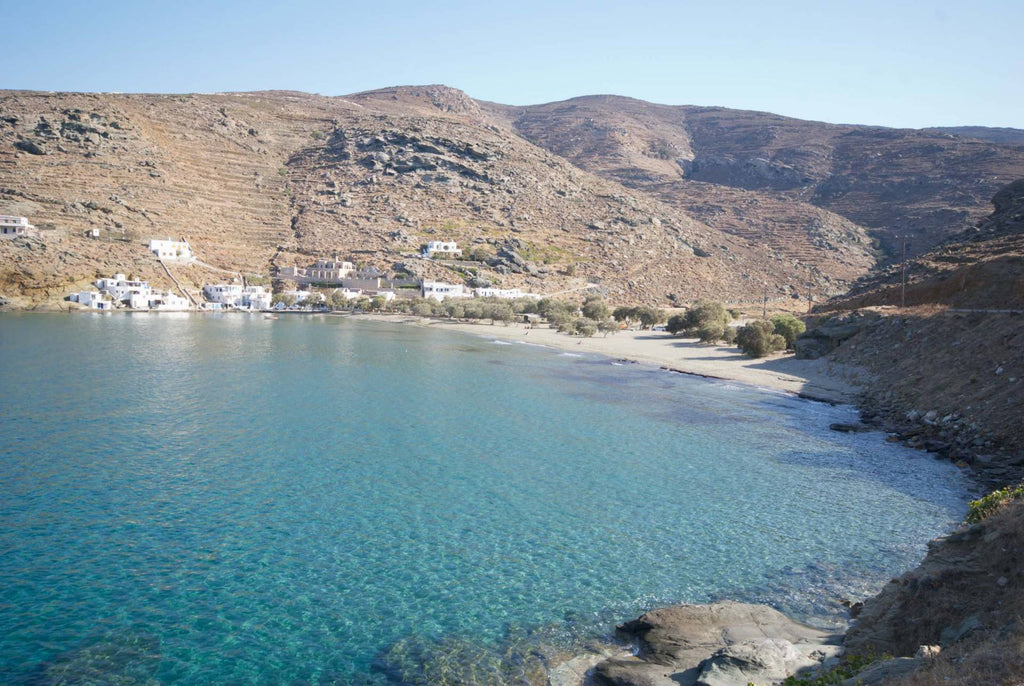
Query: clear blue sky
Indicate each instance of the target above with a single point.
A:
(893, 63)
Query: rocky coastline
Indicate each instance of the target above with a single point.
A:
(954, 619)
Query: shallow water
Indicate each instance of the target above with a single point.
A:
(211, 499)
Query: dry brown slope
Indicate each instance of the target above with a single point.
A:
(138, 166)
(649, 147)
(981, 268)
(894, 181)
(392, 175)
(257, 179)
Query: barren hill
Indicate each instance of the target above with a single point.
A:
(654, 204)
(980, 268)
(927, 183)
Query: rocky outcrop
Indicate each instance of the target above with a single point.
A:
(721, 644)
(961, 608)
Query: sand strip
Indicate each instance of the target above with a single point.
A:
(815, 379)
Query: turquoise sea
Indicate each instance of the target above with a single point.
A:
(191, 499)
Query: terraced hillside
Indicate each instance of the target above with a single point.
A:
(652, 204)
(928, 183)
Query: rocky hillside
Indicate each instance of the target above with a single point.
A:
(653, 204)
(928, 183)
(980, 268)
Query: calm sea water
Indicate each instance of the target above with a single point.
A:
(229, 499)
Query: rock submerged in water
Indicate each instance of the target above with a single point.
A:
(720, 644)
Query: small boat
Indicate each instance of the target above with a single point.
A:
(270, 316)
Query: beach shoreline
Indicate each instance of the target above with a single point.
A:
(819, 379)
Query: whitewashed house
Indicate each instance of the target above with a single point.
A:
(506, 293)
(169, 250)
(121, 288)
(95, 300)
(256, 298)
(227, 294)
(11, 226)
(159, 301)
(450, 248)
(233, 295)
(438, 290)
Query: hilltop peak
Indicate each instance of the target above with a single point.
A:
(431, 99)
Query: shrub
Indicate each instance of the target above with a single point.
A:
(710, 333)
(706, 312)
(983, 507)
(758, 338)
(423, 309)
(789, 327)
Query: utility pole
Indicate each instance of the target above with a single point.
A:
(903, 277)
(764, 302)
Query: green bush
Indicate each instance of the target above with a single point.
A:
(849, 667)
(983, 507)
(789, 327)
(594, 307)
(706, 312)
(711, 332)
(758, 338)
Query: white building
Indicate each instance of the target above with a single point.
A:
(159, 301)
(439, 290)
(229, 294)
(447, 247)
(348, 293)
(121, 289)
(506, 293)
(92, 299)
(11, 226)
(237, 296)
(256, 298)
(171, 250)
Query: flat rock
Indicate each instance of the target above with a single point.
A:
(676, 644)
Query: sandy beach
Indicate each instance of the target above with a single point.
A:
(815, 379)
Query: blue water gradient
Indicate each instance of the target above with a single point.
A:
(230, 499)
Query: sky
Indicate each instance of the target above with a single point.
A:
(888, 63)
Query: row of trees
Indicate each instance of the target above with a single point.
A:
(708, 321)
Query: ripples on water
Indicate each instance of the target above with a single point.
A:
(228, 498)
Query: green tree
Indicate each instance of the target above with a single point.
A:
(595, 308)
(788, 326)
(758, 338)
(649, 316)
(608, 326)
(287, 298)
(337, 299)
(625, 314)
(423, 309)
(705, 313)
(550, 307)
(676, 324)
